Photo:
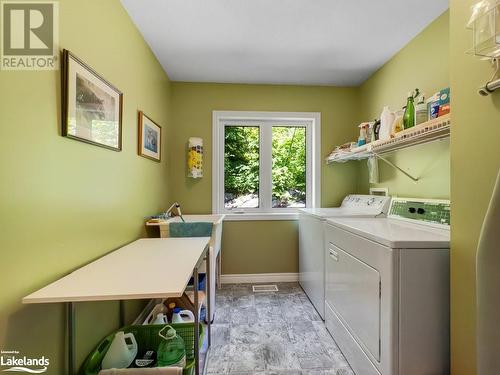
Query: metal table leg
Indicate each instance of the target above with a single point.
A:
(122, 313)
(208, 299)
(196, 324)
(70, 337)
(219, 269)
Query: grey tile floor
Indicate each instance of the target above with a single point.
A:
(271, 333)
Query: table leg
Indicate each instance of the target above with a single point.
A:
(70, 337)
(196, 324)
(209, 297)
(219, 269)
(122, 313)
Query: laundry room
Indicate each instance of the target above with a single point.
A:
(237, 188)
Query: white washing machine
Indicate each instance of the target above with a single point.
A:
(388, 289)
(311, 240)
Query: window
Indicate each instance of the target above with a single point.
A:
(266, 164)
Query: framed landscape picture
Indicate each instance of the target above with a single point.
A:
(149, 138)
(92, 107)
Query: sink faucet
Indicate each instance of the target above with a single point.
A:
(177, 207)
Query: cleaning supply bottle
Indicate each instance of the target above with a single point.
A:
(487, 287)
(170, 311)
(370, 131)
(376, 129)
(182, 316)
(421, 113)
(121, 352)
(409, 116)
(362, 135)
(172, 350)
(397, 125)
(386, 121)
(161, 318)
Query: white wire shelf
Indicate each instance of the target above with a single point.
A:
(424, 133)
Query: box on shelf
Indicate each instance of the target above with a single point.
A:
(439, 104)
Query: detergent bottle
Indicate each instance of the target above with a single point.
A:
(172, 350)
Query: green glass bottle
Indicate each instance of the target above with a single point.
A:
(409, 115)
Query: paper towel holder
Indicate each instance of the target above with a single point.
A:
(195, 157)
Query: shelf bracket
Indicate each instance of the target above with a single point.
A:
(414, 179)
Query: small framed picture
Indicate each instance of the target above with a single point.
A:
(149, 138)
(92, 107)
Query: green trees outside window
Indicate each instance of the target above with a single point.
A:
(241, 166)
(289, 166)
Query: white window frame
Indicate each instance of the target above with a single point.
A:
(310, 120)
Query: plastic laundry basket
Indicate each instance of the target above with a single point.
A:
(147, 339)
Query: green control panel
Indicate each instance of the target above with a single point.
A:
(437, 212)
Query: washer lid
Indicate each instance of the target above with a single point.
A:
(395, 233)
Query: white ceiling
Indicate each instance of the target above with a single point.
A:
(323, 42)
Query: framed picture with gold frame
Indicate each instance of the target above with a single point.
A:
(149, 137)
(91, 106)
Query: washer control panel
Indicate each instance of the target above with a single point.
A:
(425, 210)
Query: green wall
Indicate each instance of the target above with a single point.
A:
(63, 202)
(256, 247)
(422, 63)
(475, 162)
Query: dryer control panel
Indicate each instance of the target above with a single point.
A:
(359, 201)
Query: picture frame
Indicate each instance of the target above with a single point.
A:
(149, 138)
(91, 106)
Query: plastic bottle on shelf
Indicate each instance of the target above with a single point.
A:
(386, 121)
(182, 316)
(376, 129)
(362, 140)
(159, 308)
(397, 125)
(161, 318)
(170, 311)
(421, 113)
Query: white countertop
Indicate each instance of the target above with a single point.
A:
(146, 268)
(394, 233)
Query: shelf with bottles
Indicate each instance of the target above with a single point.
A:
(426, 132)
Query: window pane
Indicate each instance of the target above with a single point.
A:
(241, 167)
(289, 166)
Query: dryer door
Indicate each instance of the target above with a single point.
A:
(353, 291)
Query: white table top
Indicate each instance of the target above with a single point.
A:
(146, 268)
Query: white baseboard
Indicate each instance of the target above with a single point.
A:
(248, 278)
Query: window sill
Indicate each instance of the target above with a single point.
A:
(261, 216)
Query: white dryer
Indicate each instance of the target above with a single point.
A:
(388, 289)
(311, 240)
